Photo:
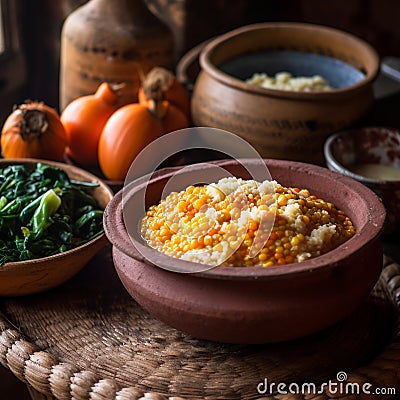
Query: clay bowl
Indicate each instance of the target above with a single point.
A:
(278, 123)
(365, 146)
(252, 304)
(34, 276)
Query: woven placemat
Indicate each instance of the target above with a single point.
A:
(88, 339)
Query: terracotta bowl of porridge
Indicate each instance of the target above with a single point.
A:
(249, 303)
(371, 155)
(288, 121)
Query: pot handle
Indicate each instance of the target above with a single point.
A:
(188, 67)
(388, 80)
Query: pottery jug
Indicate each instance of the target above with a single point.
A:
(116, 41)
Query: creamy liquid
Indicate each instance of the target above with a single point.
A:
(376, 171)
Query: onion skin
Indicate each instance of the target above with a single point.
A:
(33, 130)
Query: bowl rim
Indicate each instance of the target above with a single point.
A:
(15, 265)
(208, 50)
(117, 234)
(336, 166)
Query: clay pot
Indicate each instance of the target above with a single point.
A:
(115, 41)
(251, 304)
(34, 276)
(282, 124)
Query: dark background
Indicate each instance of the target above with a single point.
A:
(193, 21)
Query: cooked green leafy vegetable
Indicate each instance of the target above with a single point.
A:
(44, 212)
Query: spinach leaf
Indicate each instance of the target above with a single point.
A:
(44, 212)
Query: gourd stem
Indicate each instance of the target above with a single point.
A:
(158, 108)
(33, 123)
(108, 92)
(157, 82)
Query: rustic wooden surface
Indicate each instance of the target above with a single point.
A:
(89, 339)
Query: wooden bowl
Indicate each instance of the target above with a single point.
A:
(38, 275)
(278, 123)
(369, 145)
(251, 304)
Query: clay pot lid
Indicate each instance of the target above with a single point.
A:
(365, 204)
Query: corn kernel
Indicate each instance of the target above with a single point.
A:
(262, 257)
(181, 206)
(189, 227)
(207, 240)
(282, 200)
(269, 264)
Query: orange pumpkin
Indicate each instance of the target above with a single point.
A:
(84, 119)
(33, 130)
(131, 128)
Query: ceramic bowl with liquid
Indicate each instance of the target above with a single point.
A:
(370, 155)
